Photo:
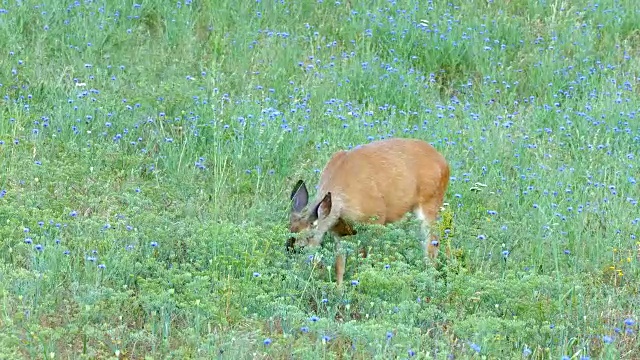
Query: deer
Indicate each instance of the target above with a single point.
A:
(379, 182)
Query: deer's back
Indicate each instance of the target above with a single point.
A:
(386, 178)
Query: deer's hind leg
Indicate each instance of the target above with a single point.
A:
(428, 214)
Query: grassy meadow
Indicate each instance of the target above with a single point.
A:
(149, 149)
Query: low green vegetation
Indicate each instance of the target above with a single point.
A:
(149, 149)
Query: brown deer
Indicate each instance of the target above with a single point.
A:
(375, 183)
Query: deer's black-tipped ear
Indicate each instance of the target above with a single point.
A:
(323, 208)
(299, 196)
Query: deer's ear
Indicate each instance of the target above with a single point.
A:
(323, 209)
(299, 197)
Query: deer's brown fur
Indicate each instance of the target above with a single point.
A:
(378, 182)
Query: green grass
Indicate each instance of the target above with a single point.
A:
(148, 152)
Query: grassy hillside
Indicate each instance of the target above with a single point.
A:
(148, 151)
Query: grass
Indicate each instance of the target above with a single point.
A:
(148, 152)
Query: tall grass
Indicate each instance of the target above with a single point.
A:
(148, 152)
